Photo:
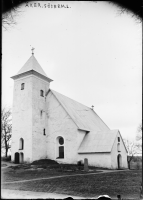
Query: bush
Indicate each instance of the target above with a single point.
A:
(8, 158)
(44, 162)
(137, 159)
(138, 165)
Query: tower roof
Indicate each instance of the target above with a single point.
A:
(32, 64)
(32, 67)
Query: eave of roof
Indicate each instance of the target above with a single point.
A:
(30, 72)
(94, 152)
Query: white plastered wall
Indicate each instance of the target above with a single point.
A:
(59, 123)
(115, 153)
(97, 159)
(22, 118)
(39, 150)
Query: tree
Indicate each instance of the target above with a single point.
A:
(132, 8)
(6, 129)
(9, 18)
(139, 138)
(132, 149)
(139, 133)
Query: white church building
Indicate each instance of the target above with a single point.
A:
(47, 124)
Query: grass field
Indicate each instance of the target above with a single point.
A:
(125, 183)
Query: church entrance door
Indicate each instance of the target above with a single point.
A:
(119, 160)
(17, 158)
(21, 157)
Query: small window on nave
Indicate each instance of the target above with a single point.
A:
(41, 112)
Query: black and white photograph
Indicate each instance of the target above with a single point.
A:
(71, 112)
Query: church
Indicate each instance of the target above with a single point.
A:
(47, 124)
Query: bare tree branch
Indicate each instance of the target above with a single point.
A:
(133, 149)
(139, 134)
(9, 17)
(6, 129)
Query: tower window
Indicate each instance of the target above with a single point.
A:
(41, 93)
(44, 132)
(21, 144)
(118, 139)
(22, 86)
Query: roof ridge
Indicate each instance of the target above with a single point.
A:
(72, 99)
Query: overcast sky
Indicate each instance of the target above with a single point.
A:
(93, 54)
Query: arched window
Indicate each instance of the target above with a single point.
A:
(60, 147)
(118, 139)
(21, 144)
(22, 86)
(41, 93)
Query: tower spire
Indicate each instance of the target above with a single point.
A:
(32, 50)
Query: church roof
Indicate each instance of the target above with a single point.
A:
(101, 141)
(84, 117)
(99, 138)
(32, 64)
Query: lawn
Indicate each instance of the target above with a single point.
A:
(125, 183)
(41, 169)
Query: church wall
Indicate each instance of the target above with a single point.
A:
(22, 118)
(97, 159)
(80, 137)
(59, 123)
(39, 150)
(115, 153)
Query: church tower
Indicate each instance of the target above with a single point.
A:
(28, 115)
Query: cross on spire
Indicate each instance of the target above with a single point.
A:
(32, 50)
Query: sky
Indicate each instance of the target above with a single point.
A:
(91, 51)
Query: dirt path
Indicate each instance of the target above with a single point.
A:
(63, 176)
(7, 164)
